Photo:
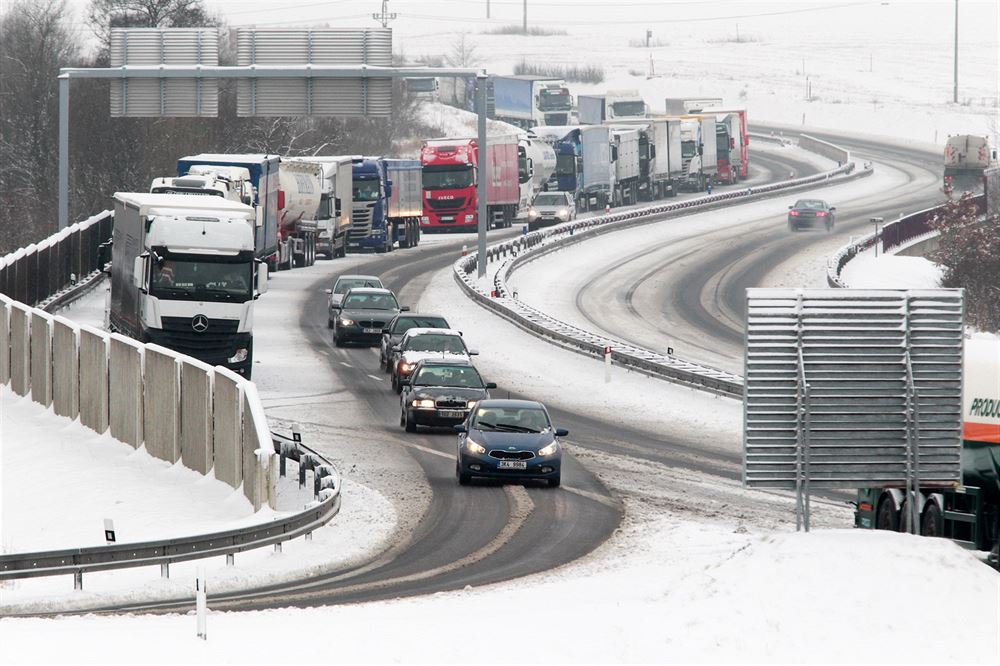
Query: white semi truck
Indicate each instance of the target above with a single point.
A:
(231, 183)
(699, 152)
(184, 275)
(613, 106)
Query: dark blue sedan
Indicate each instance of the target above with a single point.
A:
(509, 439)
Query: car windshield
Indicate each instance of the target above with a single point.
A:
(448, 375)
(205, 278)
(403, 324)
(346, 284)
(550, 200)
(370, 302)
(446, 178)
(511, 419)
(366, 189)
(430, 342)
(813, 204)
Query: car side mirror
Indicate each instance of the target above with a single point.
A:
(395, 348)
(461, 428)
(405, 383)
(405, 308)
(328, 291)
(833, 208)
(386, 331)
(561, 432)
(791, 207)
(473, 352)
(491, 385)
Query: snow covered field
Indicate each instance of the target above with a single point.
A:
(726, 582)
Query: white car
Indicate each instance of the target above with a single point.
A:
(418, 344)
(550, 208)
(344, 284)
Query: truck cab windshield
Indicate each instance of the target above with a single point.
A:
(551, 100)
(447, 178)
(566, 165)
(366, 189)
(226, 279)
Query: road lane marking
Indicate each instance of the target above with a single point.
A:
(376, 377)
(435, 452)
(346, 365)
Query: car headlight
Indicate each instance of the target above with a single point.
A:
(548, 450)
(405, 367)
(422, 404)
(239, 356)
(532, 212)
(344, 321)
(563, 213)
(473, 446)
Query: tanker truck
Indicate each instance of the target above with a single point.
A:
(314, 208)
(536, 162)
(970, 513)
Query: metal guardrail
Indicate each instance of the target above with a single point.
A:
(537, 243)
(894, 234)
(77, 561)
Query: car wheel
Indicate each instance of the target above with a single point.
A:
(555, 481)
(337, 341)
(463, 479)
(792, 227)
(329, 323)
(402, 416)
(395, 385)
(829, 227)
(411, 423)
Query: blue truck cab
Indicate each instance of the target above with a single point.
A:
(387, 204)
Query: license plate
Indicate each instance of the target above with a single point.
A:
(372, 330)
(513, 464)
(447, 218)
(451, 414)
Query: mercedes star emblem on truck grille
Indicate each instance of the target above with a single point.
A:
(199, 323)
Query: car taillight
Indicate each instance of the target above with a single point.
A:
(793, 213)
(821, 213)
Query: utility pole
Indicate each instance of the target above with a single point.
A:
(954, 97)
(525, 27)
(386, 15)
(487, 8)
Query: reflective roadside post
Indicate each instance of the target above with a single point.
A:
(607, 364)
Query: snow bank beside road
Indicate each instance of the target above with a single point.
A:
(685, 592)
(890, 271)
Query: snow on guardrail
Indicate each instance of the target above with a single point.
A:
(495, 296)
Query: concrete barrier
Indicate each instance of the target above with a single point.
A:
(94, 384)
(4, 339)
(253, 440)
(824, 148)
(41, 357)
(161, 397)
(228, 427)
(65, 368)
(196, 416)
(125, 390)
(20, 348)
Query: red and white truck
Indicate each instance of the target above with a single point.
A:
(450, 168)
(731, 132)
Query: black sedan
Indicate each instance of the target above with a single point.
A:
(363, 314)
(400, 324)
(509, 439)
(810, 212)
(440, 393)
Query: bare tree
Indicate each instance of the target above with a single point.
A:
(103, 15)
(34, 42)
(463, 53)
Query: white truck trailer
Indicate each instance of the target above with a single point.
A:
(661, 167)
(184, 275)
(625, 156)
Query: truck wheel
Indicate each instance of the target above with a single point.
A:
(932, 522)
(887, 516)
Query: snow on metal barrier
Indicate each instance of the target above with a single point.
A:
(514, 252)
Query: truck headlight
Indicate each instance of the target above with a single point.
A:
(424, 219)
(239, 356)
(422, 404)
(344, 321)
(469, 217)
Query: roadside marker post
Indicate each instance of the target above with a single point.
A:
(201, 604)
(109, 530)
(607, 365)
